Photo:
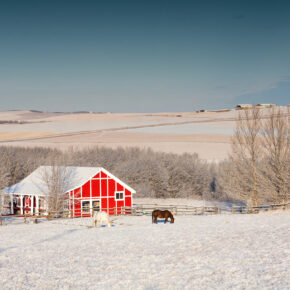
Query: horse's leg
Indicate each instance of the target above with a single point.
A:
(155, 219)
(166, 220)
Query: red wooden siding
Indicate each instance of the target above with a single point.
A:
(86, 190)
(98, 175)
(112, 185)
(104, 189)
(119, 187)
(104, 204)
(128, 201)
(101, 187)
(103, 175)
(112, 203)
(95, 188)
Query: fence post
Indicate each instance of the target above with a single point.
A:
(233, 209)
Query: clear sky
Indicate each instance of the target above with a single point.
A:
(143, 56)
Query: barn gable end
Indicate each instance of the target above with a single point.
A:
(103, 192)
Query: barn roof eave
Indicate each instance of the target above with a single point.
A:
(21, 193)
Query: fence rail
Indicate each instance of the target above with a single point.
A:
(147, 209)
(257, 209)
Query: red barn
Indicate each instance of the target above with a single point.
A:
(88, 189)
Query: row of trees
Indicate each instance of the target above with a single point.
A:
(152, 174)
(257, 170)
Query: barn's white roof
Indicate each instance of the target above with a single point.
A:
(35, 183)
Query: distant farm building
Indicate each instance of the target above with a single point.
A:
(243, 106)
(266, 105)
(249, 106)
(86, 189)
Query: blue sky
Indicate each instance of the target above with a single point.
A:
(143, 56)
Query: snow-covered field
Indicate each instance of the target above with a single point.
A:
(196, 252)
(163, 132)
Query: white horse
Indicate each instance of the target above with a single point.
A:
(101, 217)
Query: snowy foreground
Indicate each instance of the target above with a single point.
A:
(196, 252)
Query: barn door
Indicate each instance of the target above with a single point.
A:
(85, 206)
(96, 205)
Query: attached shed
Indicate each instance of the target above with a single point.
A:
(87, 189)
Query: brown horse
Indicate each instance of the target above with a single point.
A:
(163, 214)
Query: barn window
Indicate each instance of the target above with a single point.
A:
(96, 205)
(119, 195)
(86, 206)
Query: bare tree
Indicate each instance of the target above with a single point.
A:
(1, 205)
(229, 187)
(276, 145)
(246, 152)
(56, 182)
(4, 180)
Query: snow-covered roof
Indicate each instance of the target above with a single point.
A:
(35, 184)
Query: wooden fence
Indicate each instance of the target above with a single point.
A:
(146, 209)
(136, 210)
(257, 209)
